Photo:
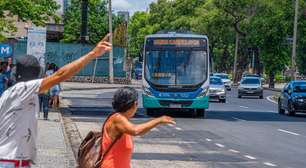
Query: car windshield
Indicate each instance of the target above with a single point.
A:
(176, 67)
(222, 76)
(216, 81)
(299, 88)
(251, 81)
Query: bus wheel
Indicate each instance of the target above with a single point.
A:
(150, 112)
(200, 113)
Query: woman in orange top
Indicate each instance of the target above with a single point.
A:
(119, 127)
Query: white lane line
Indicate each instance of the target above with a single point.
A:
(219, 145)
(235, 118)
(155, 129)
(170, 125)
(289, 132)
(244, 107)
(208, 140)
(269, 98)
(179, 129)
(269, 164)
(233, 151)
(250, 157)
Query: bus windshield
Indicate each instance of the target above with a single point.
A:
(176, 67)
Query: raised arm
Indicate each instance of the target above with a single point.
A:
(125, 126)
(76, 66)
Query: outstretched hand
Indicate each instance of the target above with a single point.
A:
(102, 47)
(167, 120)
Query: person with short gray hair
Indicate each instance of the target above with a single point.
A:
(19, 106)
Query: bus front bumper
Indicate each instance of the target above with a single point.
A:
(154, 102)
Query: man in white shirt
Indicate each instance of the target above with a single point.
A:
(19, 106)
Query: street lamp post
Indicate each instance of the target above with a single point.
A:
(293, 62)
(111, 65)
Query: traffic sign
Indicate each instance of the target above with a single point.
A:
(6, 50)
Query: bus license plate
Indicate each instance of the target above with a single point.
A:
(175, 106)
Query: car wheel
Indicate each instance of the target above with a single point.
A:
(223, 100)
(280, 109)
(291, 111)
(239, 96)
(261, 96)
(200, 113)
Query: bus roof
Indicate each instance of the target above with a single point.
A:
(175, 35)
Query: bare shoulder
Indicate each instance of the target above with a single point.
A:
(119, 118)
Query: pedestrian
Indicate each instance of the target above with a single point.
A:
(19, 106)
(3, 81)
(55, 90)
(119, 129)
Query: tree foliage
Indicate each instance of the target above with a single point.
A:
(262, 25)
(37, 11)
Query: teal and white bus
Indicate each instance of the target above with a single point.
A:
(176, 72)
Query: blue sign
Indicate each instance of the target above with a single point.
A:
(6, 50)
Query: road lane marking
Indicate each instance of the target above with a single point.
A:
(179, 129)
(244, 107)
(269, 98)
(219, 145)
(250, 157)
(289, 132)
(233, 151)
(170, 125)
(235, 118)
(209, 140)
(269, 164)
(155, 129)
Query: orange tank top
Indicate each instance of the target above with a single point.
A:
(120, 154)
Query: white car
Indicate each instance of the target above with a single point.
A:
(225, 79)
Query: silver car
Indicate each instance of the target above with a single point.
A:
(217, 89)
(250, 86)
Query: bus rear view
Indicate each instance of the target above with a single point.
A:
(176, 72)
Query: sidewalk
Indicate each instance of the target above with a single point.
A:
(278, 87)
(53, 149)
(66, 86)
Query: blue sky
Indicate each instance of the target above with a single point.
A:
(131, 5)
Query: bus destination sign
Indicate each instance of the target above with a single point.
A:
(178, 42)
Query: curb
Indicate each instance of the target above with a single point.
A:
(70, 155)
(273, 89)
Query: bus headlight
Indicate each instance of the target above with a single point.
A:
(203, 93)
(147, 91)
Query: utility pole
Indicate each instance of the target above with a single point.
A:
(110, 19)
(84, 21)
(293, 61)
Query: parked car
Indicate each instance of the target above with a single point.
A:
(293, 98)
(138, 71)
(217, 89)
(250, 86)
(225, 79)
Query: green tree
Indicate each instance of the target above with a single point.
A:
(139, 27)
(97, 21)
(270, 29)
(37, 11)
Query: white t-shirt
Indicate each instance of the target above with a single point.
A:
(19, 106)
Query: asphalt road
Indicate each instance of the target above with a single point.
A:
(243, 133)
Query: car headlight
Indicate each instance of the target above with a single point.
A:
(300, 100)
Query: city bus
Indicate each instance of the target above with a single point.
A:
(176, 72)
